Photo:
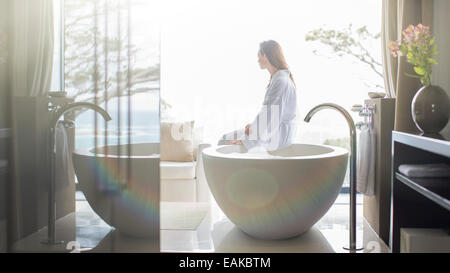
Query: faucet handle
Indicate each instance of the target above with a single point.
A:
(52, 107)
(67, 123)
(368, 110)
(360, 124)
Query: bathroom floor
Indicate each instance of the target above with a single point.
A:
(201, 227)
(217, 234)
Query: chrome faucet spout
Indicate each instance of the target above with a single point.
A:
(351, 124)
(57, 113)
(76, 105)
(336, 107)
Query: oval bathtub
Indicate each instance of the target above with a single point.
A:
(278, 194)
(130, 205)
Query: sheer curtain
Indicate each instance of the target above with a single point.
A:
(397, 15)
(32, 43)
(30, 62)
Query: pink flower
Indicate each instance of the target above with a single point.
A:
(416, 45)
(407, 36)
(420, 33)
(423, 28)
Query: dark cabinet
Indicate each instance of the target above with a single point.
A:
(418, 202)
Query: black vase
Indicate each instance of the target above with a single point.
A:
(430, 109)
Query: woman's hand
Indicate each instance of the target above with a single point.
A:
(247, 129)
(233, 142)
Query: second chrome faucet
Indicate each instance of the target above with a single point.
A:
(351, 125)
(57, 112)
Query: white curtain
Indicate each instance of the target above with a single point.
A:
(32, 47)
(30, 62)
(390, 32)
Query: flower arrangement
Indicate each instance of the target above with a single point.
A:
(418, 47)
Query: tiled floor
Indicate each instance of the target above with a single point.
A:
(213, 232)
(217, 234)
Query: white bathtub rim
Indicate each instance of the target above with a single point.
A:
(88, 152)
(336, 152)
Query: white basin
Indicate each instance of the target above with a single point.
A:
(275, 195)
(130, 205)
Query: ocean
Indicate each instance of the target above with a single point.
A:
(145, 127)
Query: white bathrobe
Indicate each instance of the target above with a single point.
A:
(274, 126)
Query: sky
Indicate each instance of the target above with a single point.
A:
(209, 60)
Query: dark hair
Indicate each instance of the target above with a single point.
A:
(273, 52)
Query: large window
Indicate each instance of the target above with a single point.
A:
(107, 52)
(210, 72)
(209, 69)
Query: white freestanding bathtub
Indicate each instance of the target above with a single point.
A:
(130, 205)
(279, 194)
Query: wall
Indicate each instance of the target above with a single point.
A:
(3, 63)
(4, 124)
(441, 30)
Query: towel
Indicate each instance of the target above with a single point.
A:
(62, 157)
(425, 170)
(235, 135)
(366, 159)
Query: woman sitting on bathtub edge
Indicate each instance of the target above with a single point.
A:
(274, 126)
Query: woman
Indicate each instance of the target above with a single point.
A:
(274, 126)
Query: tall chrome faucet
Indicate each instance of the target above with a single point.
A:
(351, 124)
(57, 113)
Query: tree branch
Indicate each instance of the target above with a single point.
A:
(346, 42)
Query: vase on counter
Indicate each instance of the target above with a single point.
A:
(430, 109)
